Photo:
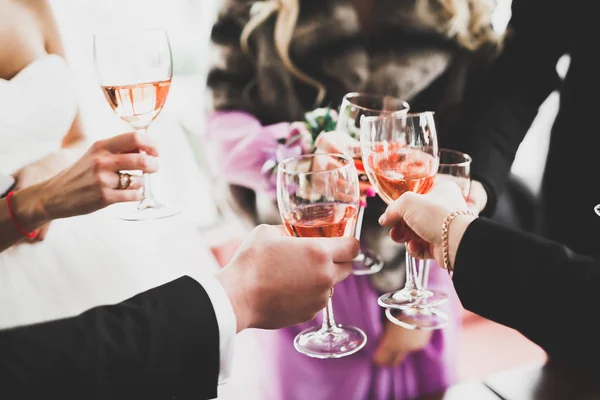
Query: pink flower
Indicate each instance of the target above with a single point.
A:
(299, 135)
(284, 151)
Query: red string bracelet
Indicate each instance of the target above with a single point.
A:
(23, 232)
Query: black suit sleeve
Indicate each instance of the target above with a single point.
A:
(535, 286)
(160, 344)
(501, 105)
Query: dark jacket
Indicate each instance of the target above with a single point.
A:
(500, 108)
(162, 344)
(538, 287)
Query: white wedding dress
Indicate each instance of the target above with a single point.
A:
(93, 259)
(98, 259)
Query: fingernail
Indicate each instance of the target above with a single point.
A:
(153, 162)
(371, 192)
(363, 203)
(382, 219)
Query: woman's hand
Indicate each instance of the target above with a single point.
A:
(92, 182)
(477, 197)
(415, 218)
(340, 142)
(43, 169)
(397, 342)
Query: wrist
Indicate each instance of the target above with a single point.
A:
(456, 233)
(234, 288)
(29, 209)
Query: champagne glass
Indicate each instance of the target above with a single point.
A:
(318, 196)
(135, 69)
(456, 167)
(400, 154)
(353, 108)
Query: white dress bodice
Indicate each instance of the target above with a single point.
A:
(37, 108)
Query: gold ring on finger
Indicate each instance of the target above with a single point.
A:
(124, 181)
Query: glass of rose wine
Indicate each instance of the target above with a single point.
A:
(400, 154)
(135, 69)
(354, 107)
(318, 196)
(454, 166)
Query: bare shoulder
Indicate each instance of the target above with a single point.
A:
(44, 14)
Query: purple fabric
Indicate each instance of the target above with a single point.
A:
(356, 377)
(237, 147)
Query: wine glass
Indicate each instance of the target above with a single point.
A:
(318, 196)
(353, 108)
(400, 154)
(454, 166)
(135, 69)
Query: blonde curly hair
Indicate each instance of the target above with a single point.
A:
(469, 22)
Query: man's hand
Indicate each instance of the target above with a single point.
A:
(275, 281)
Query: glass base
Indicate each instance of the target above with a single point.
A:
(149, 209)
(412, 298)
(366, 263)
(340, 341)
(427, 318)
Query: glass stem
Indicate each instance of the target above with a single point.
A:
(328, 321)
(358, 229)
(425, 266)
(412, 273)
(148, 194)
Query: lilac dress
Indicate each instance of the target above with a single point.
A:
(356, 377)
(298, 377)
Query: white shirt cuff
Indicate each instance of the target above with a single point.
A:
(227, 323)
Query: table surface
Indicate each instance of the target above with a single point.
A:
(464, 391)
(550, 381)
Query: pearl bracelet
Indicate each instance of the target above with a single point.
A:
(445, 232)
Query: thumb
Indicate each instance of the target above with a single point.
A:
(396, 211)
(342, 249)
(269, 231)
(345, 250)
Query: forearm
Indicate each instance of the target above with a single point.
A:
(530, 284)
(29, 212)
(160, 344)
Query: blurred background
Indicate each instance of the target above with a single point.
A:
(486, 347)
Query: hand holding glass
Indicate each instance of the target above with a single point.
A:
(135, 69)
(318, 196)
(456, 167)
(400, 154)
